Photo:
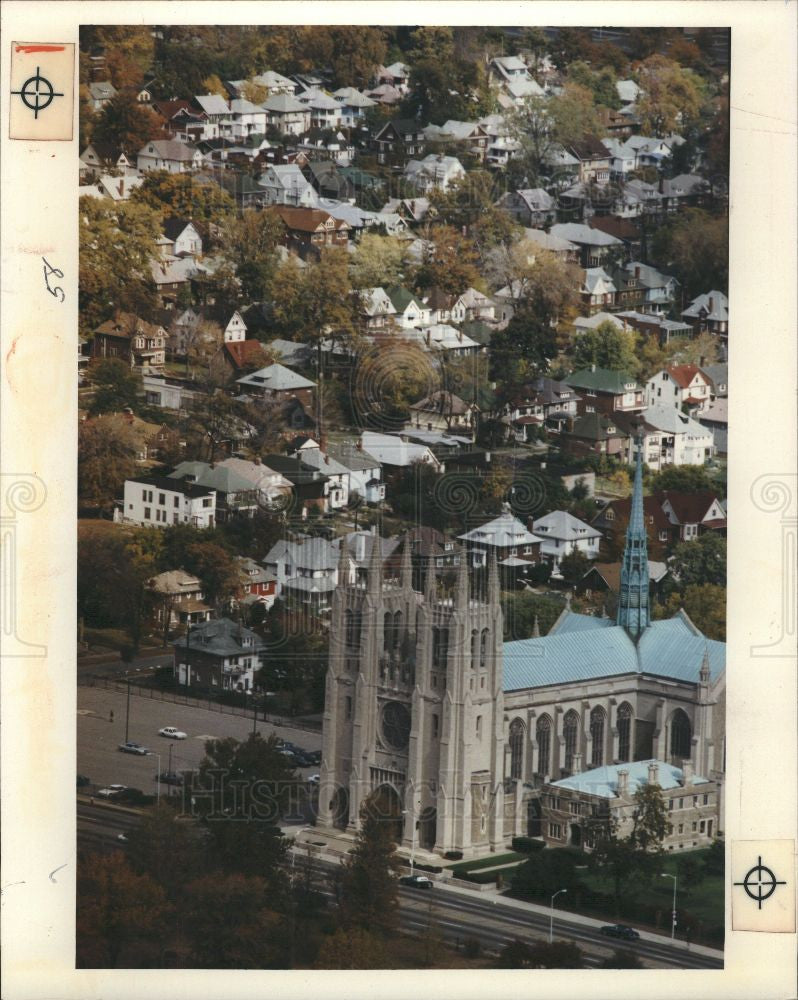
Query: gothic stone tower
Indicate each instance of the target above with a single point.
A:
(414, 708)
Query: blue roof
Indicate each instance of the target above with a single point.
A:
(584, 648)
(603, 781)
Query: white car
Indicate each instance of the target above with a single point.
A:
(111, 791)
(171, 733)
(314, 779)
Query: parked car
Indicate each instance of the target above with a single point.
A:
(122, 837)
(169, 778)
(416, 881)
(131, 747)
(620, 931)
(314, 756)
(314, 779)
(111, 791)
(82, 780)
(171, 733)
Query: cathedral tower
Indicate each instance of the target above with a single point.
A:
(633, 601)
(414, 707)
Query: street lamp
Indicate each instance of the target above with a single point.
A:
(406, 812)
(673, 914)
(551, 914)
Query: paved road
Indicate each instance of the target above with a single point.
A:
(98, 738)
(141, 664)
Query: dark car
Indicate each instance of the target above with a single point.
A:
(620, 931)
(169, 778)
(82, 781)
(314, 756)
(416, 881)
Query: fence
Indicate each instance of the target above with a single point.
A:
(211, 705)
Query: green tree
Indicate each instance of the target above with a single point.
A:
(184, 197)
(600, 82)
(106, 458)
(249, 244)
(705, 605)
(573, 567)
(671, 96)
(606, 347)
(166, 849)
(690, 871)
(127, 124)
(700, 561)
(530, 125)
(694, 248)
(378, 260)
(117, 249)
(352, 53)
(546, 872)
(573, 114)
(524, 347)
(444, 83)
(369, 883)
(217, 570)
(116, 386)
(682, 479)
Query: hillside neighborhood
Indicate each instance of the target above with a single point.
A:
(426, 328)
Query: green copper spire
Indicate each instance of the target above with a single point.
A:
(633, 606)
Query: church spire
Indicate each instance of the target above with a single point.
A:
(375, 565)
(406, 571)
(633, 605)
(704, 674)
(494, 589)
(461, 592)
(430, 583)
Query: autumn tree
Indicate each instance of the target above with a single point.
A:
(606, 346)
(352, 52)
(185, 197)
(117, 248)
(600, 82)
(694, 248)
(116, 386)
(378, 261)
(129, 51)
(254, 92)
(671, 96)
(213, 85)
(449, 262)
(116, 908)
(444, 84)
(573, 114)
(228, 921)
(369, 884)
(107, 453)
(352, 948)
(249, 244)
(127, 124)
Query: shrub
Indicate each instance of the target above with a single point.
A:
(526, 845)
(453, 855)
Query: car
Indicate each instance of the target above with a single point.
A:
(314, 779)
(169, 778)
(131, 747)
(122, 837)
(416, 881)
(171, 733)
(314, 756)
(620, 931)
(111, 791)
(301, 759)
(82, 780)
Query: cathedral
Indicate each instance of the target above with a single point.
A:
(457, 731)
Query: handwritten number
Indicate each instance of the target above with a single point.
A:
(56, 290)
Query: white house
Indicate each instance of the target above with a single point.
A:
(680, 386)
(376, 306)
(287, 114)
(561, 533)
(353, 104)
(168, 154)
(434, 172)
(156, 501)
(409, 311)
(396, 451)
(285, 184)
(365, 471)
(336, 487)
(511, 541)
(183, 238)
(275, 83)
(245, 119)
(272, 488)
(670, 437)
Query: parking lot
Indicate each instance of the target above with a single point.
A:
(98, 739)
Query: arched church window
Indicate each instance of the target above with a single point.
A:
(474, 641)
(483, 647)
(624, 732)
(440, 646)
(516, 748)
(543, 738)
(349, 629)
(387, 631)
(597, 717)
(397, 628)
(570, 733)
(680, 735)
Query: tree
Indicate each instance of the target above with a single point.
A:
(116, 386)
(116, 908)
(449, 262)
(705, 604)
(671, 96)
(253, 92)
(216, 568)
(469, 204)
(378, 260)
(606, 346)
(227, 922)
(444, 84)
(557, 955)
(127, 124)
(699, 350)
(129, 52)
(166, 849)
(600, 82)
(695, 249)
(213, 85)
(573, 114)
(514, 955)
(690, 872)
(353, 948)
(107, 452)
(524, 347)
(249, 244)
(184, 197)
(700, 561)
(650, 824)
(352, 53)
(546, 872)
(530, 125)
(573, 567)
(682, 479)
(117, 249)
(369, 884)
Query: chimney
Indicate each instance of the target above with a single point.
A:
(653, 773)
(623, 783)
(711, 304)
(359, 444)
(256, 460)
(687, 773)
(593, 368)
(576, 763)
(637, 271)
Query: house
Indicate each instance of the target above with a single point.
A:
(172, 155)
(443, 338)
(125, 336)
(290, 352)
(561, 533)
(470, 135)
(328, 181)
(168, 393)
(595, 246)
(397, 75)
(214, 107)
(235, 495)
(444, 411)
(376, 307)
(597, 290)
(685, 190)
(683, 386)
(516, 549)
(258, 585)
(655, 325)
(533, 207)
(353, 105)
(244, 119)
(103, 156)
(336, 474)
(173, 274)
(408, 311)
(607, 391)
(625, 230)
(365, 471)
(117, 188)
(627, 90)
(651, 290)
(593, 159)
(718, 377)
(395, 451)
(543, 401)
(309, 484)
(595, 433)
(603, 582)
(613, 522)
(270, 487)
(385, 95)
(286, 114)
(147, 438)
(220, 654)
(101, 92)
(561, 248)
(276, 382)
(285, 184)
(572, 806)
(398, 140)
(325, 111)
(183, 236)
(178, 599)
(670, 437)
(157, 501)
(433, 173)
(509, 69)
(307, 230)
(244, 356)
(473, 305)
(693, 514)
(709, 313)
(275, 83)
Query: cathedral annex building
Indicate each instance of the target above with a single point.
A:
(458, 732)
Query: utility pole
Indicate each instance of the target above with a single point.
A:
(127, 713)
(169, 768)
